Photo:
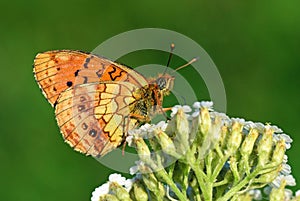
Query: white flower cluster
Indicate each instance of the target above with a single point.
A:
(210, 123)
(104, 188)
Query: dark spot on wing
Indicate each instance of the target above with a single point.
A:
(99, 73)
(84, 126)
(86, 63)
(81, 108)
(76, 73)
(85, 80)
(93, 133)
(69, 83)
(82, 99)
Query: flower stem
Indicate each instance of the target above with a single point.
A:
(164, 175)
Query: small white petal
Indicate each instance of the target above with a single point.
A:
(239, 120)
(186, 109)
(286, 169)
(197, 105)
(207, 104)
(277, 181)
(290, 180)
(162, 125)
(117, 178)
(267, 190)
(196, 113)
(297, 193)
(129, 140)
(286, 138)
(256, 194)
(175, 110)
(101, 190)
(285, 159)
(249, 125)
(133, 170)
(276, 129)
(128, 184)
(260, 127)
(288, 194)
(145, 127)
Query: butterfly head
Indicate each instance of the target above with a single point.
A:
(165, 82)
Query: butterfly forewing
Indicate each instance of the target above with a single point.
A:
(56, 71)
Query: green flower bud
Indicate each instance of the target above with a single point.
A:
(248, 143)
(166, 143)
(153, 184)
(181, 139)
(268, 177)
(235, 137)
(244, 197)
(108, 197)
(143, 150)
(279, 152)
(139, 191)
(119, 192)
(223, 135)
(265, 146)
(205, 121)
(277, 194)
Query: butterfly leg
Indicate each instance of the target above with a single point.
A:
(167, 109)
(126, 126)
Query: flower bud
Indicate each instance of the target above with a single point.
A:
(139, 191)
(119, 191)
(265, 146)
(268, 177)
(153, 185)
(248, 143)
(143, 150)
(244, 197)
(166, 143)
(108, 197)
(278, 194)
(235, 137)
(181, 139)
(205, 121)
(279, 152)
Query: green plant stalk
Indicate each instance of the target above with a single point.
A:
(219, 166)
(239, 186)
(169, 181)
(204, 186)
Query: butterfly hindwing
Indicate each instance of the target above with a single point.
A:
(94, 117)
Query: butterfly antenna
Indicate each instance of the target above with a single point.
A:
(172, 46)
(188, 63)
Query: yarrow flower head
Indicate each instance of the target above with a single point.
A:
(201, 154)
(185, 108)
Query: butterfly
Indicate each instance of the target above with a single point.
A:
(97, 101)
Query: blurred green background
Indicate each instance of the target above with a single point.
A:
(255, 45)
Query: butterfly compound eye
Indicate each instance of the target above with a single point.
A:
(161, 82)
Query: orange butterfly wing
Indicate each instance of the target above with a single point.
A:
(92, 96)
(95, 117)
(56, 71)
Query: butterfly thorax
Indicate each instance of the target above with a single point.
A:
(150, 97)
